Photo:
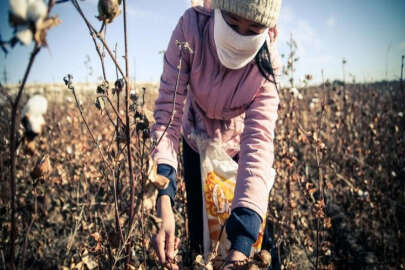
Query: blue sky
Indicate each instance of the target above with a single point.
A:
(369, 34)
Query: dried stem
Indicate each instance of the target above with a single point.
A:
(180, 46)
(127, 130)
(33, 219)
(402, 84)
(13, 152)
(88, 128)
(321, 185)
(117, 213)
(100, 54)
(117, 173)
(109, 119)
(142, 208)
(115, 110)
(100, 37)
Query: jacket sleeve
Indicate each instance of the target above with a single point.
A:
(255, 177)
(166, 151)
(242, 229)
(169, 172)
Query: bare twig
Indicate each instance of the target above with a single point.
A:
(94, 32)
(115, 110)
(109, 117)
(33, 219)
(73, 234)
(402, 84)
(116, 210)
(117, 172)
(100, 54)
(181, 46)
(88, 128)
(13, 152)
(318, 144)
(127, 130)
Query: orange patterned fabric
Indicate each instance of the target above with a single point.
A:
(218, 194)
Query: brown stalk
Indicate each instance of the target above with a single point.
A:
(117, 173)
(88, 128)
(100, 54)
(127, 130)
(33, 219)
(180, 45)
(321, 184)
(13, 152)
(94, 32)
(402, 81)
(114, 109)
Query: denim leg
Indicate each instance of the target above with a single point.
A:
(192, 179)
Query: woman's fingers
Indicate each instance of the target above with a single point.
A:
(172, 266)
(171, 262)
(166, 246)
(177, 243)
(159, 242)
(170, 245)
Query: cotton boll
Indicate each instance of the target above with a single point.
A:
(313, 103)
(294, 91)
(36, 122)
(24, 35)
(32, 116)
(18, 11)
(37, 105)
(36, 10)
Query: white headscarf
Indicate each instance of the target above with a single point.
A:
(235, 50)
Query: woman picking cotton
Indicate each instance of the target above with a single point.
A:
(227, 91)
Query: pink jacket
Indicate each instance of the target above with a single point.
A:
(237, 106)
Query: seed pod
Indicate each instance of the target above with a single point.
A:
(209, 266)
(264, 257)
(99, 103)
(30, 148)
(103, 88)
(253, 267)
(42, 168)
(108, 10)
(133, 96)
(119, 85)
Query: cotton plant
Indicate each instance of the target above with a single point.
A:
(30, 20)
(108, 10)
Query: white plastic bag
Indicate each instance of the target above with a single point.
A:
(218, 177)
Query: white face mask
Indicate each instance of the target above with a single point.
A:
(235, 50)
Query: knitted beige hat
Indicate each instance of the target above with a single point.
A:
(264, 12)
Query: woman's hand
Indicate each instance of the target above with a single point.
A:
(233, 258)
(164, 241)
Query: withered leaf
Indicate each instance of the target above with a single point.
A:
(42, 27)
